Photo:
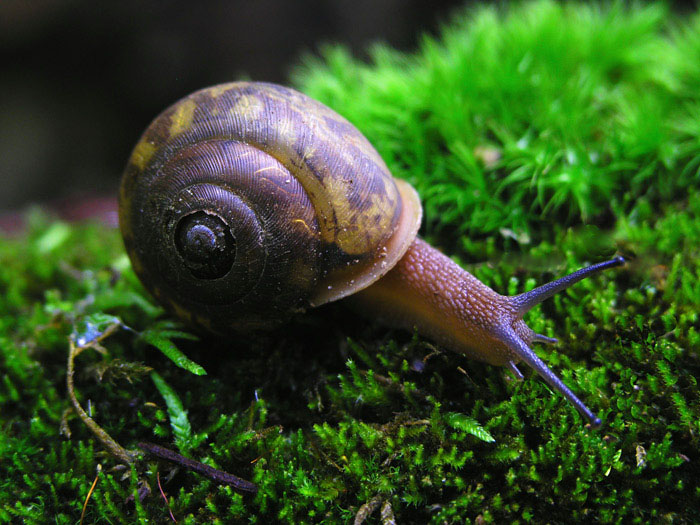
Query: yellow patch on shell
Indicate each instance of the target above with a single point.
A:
(368, 226)
(319, 200)
(142, 154)
(217, 91)
(181, 119)
(248, 107)
(361, 231)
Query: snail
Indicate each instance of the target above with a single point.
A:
(245, 203)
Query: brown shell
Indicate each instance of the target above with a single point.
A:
(313, 211)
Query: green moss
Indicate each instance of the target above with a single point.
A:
(540, 137)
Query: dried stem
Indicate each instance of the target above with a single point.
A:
(103, 437)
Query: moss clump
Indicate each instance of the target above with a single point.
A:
(551, 135)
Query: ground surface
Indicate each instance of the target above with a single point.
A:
(540, 138)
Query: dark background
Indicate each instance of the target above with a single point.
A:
(81, 79)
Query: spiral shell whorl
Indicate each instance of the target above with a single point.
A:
(308, 200)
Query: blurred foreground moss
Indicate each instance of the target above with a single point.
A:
(551, 136)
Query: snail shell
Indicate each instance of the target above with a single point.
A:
(246, 202)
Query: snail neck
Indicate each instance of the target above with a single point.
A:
(427, 291)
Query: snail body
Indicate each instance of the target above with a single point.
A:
(245, 203)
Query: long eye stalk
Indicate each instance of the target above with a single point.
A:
(527, 300)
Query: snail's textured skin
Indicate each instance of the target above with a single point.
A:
(314, 211)
(420, 291)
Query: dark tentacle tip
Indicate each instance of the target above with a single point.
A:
(595, 423)
(619, 260)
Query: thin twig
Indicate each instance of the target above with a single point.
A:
(162, 493)
(216, 475)
(107, 441)
(89, 494)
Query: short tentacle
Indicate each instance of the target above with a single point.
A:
(514, 370)
(524, 352)
(539, 338)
